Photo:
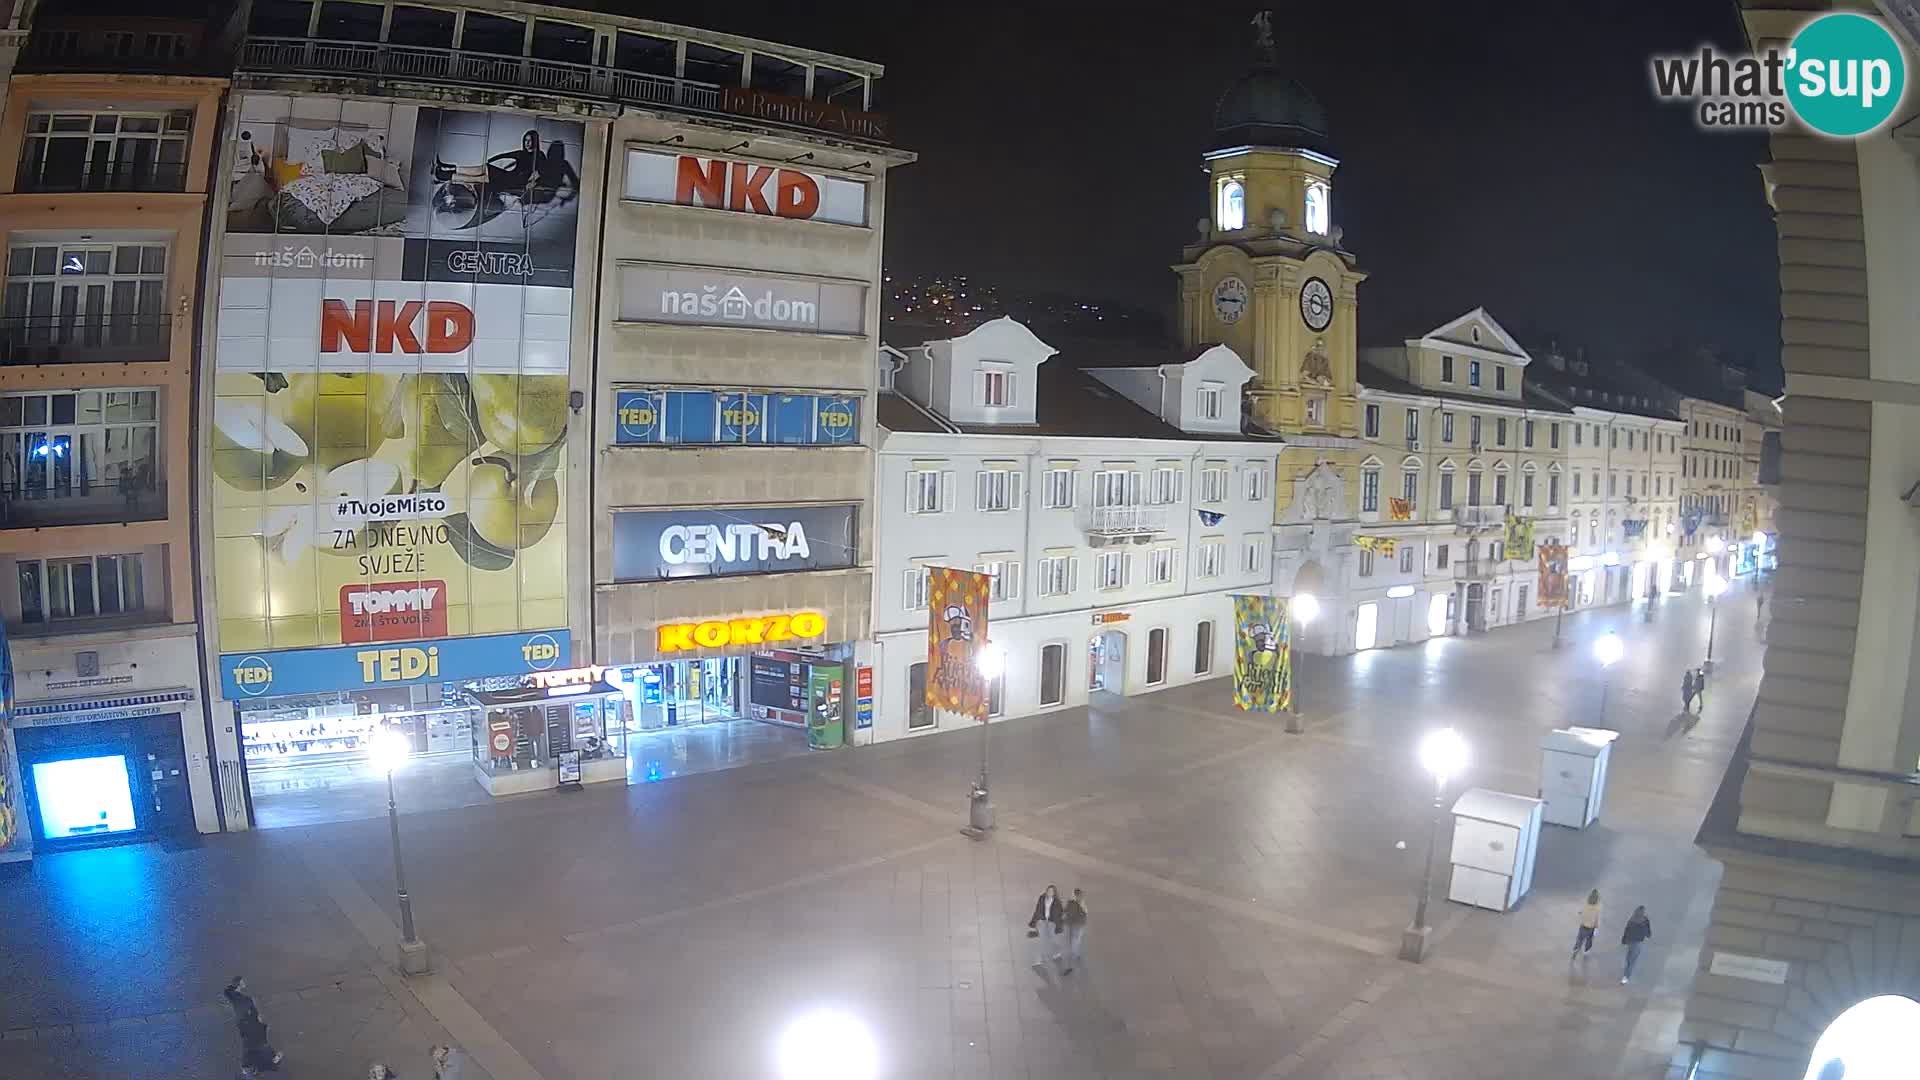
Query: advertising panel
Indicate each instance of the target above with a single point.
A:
(1262, 654)
(744, 187)
(271, 673)
(696, 296)
(389, 430)
(956, 634)
(718, 418)
(649, 545)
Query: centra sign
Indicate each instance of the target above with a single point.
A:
(765, 630)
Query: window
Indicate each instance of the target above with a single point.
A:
(1553, 436)
(1500, 431)
(88, 294)
(1112, 569)
(919, 713)
(996, 387)
(1410, 488)
(1369, 491)
(1156, 656)
(1441, 553)
(1526, 434)
(1496, 550)
(1613, 483)
(929, 491)
(1406, 558)
(1233, 206)
(1553, 489)
(1116, 487)
(996, 489)
(423, 27)
(1373, 421)
(1316, 410)
(1366, 562)
(508, 37)
(1212, 558)
(1473, 373)
(1256, 483)
(1413, 427)
(1446, 369)
(1057, 489)
(93, 585)
(913, 590)
(1164, 485)
(107, 151)
(705, 63)
(638, 52)
(1203, 647)
(1446, 428)
(97, 452)
(1576, 484)
(1577, 429)
(1059, 575)
(1446, 491)
(1208, 402)
(1053, 674)
(1613, 438)
(1473, 489)
(1319, 210)
(997, 694)
(1499, 489)
(1005, 572)
(1499, 377)
(1473, 432)
(1253, 554)
(1213, 484)
(567, 43)
(1526, 490)
(1160, 564)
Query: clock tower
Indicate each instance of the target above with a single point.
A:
(1267, 274)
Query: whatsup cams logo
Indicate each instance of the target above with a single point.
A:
(1842, 75)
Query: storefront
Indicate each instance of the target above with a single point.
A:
(803, 692)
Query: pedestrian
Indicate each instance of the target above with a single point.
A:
(1589, 922)
(1048, 913)
(448, 1063)
(1076, 922)
(377, 1071)
(257, 1055)
(1686, 691)
(1634, 937)
(1700, 687)
(1759, 607)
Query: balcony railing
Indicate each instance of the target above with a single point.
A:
(1126, 520)
(82, 339)
(1474, 569)
(81, 503)
(38, 177)
(1479, 517)
(268, 55)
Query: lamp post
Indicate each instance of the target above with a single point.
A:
(1304, 608)
(1443, 753)
(1714, 587)
(1608, 651)
(991, 661)
(389, 752)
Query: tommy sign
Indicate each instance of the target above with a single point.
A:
(698, 297)
(744, 187)
(649, 545)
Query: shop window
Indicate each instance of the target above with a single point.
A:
(1203, 647)
(340, 21)
(1156, 656)
(494, 34)
(1053, 674)
(919, 714)
(643, 54)
(425, 28)
(564, 42)
(52, 590)
(718, 67)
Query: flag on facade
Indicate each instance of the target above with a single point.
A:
(956, 632)
(1553, 575)
(1262, 654)
(1519, 543)
(1399, 509)
(1210, 518)
(1379, 545)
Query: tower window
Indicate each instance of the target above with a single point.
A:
(1233, 206)
(1318, 210)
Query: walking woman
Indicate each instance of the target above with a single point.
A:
(1049, 915)
(1634, 937)
(1589, 922)
(257, 1055)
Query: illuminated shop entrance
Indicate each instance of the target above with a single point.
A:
(697, 715)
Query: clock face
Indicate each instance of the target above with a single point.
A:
(1230, 299)
(1316, 304)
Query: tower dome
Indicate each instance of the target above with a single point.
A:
(1267, 108)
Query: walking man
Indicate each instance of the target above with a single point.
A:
(1686, 691)
(1589, 922)
(1049, 915)
(1634, 937)
(1076, 923)
(257, 1055)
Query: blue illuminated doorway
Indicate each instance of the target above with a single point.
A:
(88, 796)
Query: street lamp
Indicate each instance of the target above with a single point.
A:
(827, 1045)
(1608, 651)
(991, 662)
(1714, 587)
(1443, 753)
(1305, 607)
(389, 750)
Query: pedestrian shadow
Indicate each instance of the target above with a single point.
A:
(1682, 723)
(1077, 1010)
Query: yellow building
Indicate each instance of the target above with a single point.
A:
(1268, 277)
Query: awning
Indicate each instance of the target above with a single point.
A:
(95, 709)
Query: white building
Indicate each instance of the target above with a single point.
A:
(1113, 498)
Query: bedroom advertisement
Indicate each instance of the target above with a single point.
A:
(390, 391)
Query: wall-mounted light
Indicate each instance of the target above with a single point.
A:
(1399, 592)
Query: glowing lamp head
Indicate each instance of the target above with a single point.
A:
(1873, 1040)
(1715, 586)
(1609, 649)
(827, 1045)
(388, 750)
(1443, 753)
(992, 660)
(1305, 607)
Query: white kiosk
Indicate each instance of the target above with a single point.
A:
(1573, 774)
(1495, 837)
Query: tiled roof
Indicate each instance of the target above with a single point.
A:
(1374, 378)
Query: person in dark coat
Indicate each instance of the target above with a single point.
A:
(1076, 923)
(257, 1055)
(1686, 690)
(1634, 937)
(1049, 918)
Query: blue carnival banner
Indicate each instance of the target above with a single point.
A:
(399, 663)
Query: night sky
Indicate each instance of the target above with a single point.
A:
(1506, 154)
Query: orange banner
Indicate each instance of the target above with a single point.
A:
(956, 632)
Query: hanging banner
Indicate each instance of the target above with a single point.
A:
(1634, 528)
(1553, 575)
(956, 632)
(1519, 544)
(1400, 509)
(1262, 654)
(1379, 545)
(1749, 520)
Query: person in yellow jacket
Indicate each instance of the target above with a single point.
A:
(1589, 922)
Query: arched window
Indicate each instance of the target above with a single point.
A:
(1233, 206)
(1318, 210)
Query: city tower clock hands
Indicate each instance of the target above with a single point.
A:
(1316, 304)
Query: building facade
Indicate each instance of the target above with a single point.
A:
(113, 129)
(1116, 505)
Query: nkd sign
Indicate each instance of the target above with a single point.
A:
(651, 545)
(744, 187)
(697, 297)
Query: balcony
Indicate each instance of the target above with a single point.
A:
(275, 55)
(132, 176)
(81, 339)
(1123, 521)
(123, 45)
(81, 503)
(1480, 517)
(1474, 569)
